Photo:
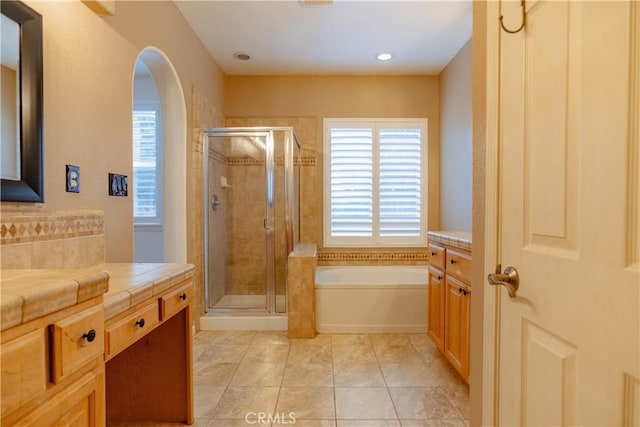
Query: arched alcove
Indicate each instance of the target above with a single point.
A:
(174, 131)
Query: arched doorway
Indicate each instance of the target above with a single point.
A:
(171, 160)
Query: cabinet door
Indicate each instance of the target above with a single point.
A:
(80, 404)
(456, 334)
(435, 324)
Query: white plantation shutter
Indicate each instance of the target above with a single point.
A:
(146, 195)
(400, 182)
(351, 184)
(375, 182)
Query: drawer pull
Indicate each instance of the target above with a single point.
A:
(90, 336)
(433, 254)
(453, 261)
(439, 277)
(183, 297)
(460, 290)
(140, 323)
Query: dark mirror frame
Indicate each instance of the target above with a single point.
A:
(30, 188)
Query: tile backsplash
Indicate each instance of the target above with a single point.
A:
(51, 239)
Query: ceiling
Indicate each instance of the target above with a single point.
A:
(290, 37)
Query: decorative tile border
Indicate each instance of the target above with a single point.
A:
(23, 227)
(237, 161)
(373, 256)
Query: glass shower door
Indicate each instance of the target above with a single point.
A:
(240, 220)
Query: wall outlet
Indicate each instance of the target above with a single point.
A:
(73, 179)
(118, 185)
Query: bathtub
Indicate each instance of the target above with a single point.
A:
(370, 299)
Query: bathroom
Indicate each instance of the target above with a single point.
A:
(82, 321)
(89, 62)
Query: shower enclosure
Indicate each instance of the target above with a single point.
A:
(252, 218)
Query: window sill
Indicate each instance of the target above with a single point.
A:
(147, 227)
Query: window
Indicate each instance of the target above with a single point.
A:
(375, 182)
(147, 164)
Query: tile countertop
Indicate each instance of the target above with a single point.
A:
(457, 239)
(29, 294)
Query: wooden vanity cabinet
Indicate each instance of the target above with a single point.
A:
(435, 322)
(456, 332)
(53, 369)
(148, 354)
(450, 303)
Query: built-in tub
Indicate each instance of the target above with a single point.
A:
(371, 299)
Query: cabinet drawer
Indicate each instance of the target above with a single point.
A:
(76, 340)
(24, 370)
(459, 264)
(172, 303)
(436, 256)
(132, 327)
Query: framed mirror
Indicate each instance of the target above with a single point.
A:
(21, 140)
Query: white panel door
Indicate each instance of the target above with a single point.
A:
(568, 185)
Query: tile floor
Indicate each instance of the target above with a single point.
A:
(333, 380)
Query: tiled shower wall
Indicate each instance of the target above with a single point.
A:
(51, 239)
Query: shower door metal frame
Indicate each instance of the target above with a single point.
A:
(269, 220)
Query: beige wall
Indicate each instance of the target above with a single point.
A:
(319, 97)
(88, 72)
(456, 142)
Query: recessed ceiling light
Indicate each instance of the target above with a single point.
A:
(241, 56)
(384, 56)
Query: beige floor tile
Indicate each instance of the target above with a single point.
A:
(432, 423)
(350, 339)
(270, 337)
(311, 423)
(206, 398)
(364, 403)
(258, 374)
(426, 403)
(237, 402)
(198, 350)
(267, 353)
(308, 375)
(397, 354)
(462, 406)
(369, 423)
(308, 354)
(357, 374)
(457, 391)
(250, 422)
(420, 339)
(389, 339)
(223, 354)
(446, 376)
(407, 375)
(213, 374)
(313, 403)
(320, 339)
(353, 354)
(204, 337)
(234, 337)
(428, 353)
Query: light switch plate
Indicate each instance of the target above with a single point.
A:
(118, 185)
